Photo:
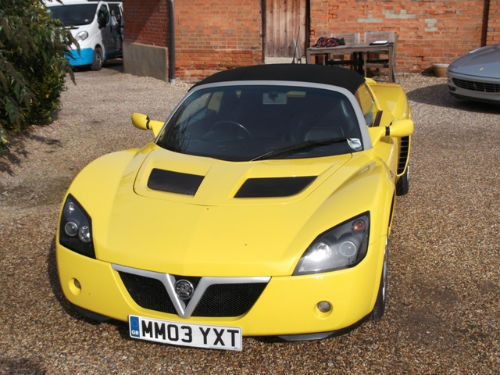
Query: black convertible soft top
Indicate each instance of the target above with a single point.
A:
(330, 75)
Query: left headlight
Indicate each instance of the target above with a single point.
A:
(75, 228)
(82, 35)
(343, 246)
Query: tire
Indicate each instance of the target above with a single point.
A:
(97, 60)
(403, 184)
(378, 310)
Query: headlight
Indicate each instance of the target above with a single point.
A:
(82, 35)
(75, 228)
(340, 247)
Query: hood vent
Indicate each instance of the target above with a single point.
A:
(174, 182)
(273, 187)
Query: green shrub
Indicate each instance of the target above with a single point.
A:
(32, 65)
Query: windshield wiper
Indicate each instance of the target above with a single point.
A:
(300, 147)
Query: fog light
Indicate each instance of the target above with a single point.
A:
(75, 287)
(324, 306)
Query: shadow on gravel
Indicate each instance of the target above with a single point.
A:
(56, 286)
(66, 305)
(20, 366)
(54, 280)
(439, 95)
(16, 151)
(113, 64)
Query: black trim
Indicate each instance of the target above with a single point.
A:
(82, 217)
(273, 187)
(403, 154)
(174, 182)
(378, 117)
(330, 75)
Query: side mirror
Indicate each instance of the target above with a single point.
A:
(142, 121)
(399, 128)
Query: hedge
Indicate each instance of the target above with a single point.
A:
(32, 65)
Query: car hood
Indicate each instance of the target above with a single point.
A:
(483, 62)
(225, 227)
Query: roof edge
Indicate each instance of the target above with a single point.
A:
(330, 75)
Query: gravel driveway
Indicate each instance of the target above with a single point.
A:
(443, 309)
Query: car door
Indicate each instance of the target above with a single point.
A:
(104, 20)
(116, 14)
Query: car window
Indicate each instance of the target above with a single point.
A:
(115, 9)
(240, 123)
(103, 15)
(367, 104)
(74, 14)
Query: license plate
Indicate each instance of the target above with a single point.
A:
(185, 334)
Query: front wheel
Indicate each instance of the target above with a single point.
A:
(98, 59)
(378, 310)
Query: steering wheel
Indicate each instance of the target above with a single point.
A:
(229, 123)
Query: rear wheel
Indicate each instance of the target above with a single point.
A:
(97, 59)
(378, 310)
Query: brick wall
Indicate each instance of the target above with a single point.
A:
(430, 31)
(213, 35)
(494, 23)
(209, 35)
(146, 21)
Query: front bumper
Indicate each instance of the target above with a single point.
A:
(474, 88)
(79, 58)
(287, 305)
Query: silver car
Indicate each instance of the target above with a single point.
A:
(476, 75)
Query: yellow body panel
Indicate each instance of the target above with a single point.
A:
(214, 234)
(287, 305)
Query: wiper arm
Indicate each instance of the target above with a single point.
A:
(299, 147)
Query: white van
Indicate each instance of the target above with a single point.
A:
(96, 25)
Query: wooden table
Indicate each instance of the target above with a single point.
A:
(358, 56)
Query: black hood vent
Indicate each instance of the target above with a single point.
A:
(273, 187)
(174, 182)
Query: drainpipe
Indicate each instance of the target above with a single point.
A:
(171, 48)
(486, 16)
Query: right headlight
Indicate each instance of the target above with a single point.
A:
(75, 228)
(343, 246)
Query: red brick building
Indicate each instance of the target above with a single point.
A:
(211, 35)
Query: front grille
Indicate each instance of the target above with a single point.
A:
(147, 292)
(219, 300)
(228, 299)
(403, 154)
(477, 86)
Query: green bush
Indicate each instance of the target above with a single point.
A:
(32, 65)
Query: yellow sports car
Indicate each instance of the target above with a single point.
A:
(262, 207)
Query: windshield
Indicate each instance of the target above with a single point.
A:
(74, 15)
(252, 122)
